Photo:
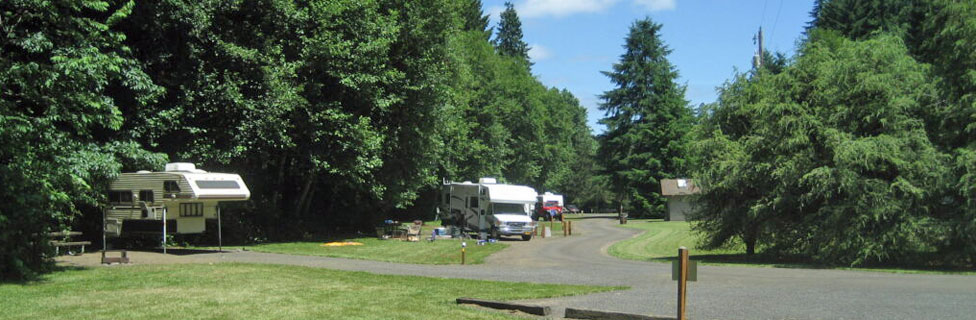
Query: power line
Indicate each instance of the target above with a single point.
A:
(772, 35)
(763, 17)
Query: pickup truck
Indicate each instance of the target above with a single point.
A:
(550, 210)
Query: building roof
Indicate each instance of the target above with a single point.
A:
(678, 187)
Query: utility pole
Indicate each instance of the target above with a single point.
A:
(757, 61)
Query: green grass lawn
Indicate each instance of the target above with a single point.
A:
(661, 240)
(256, 291)
(441, 251)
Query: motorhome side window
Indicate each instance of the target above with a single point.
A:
(120, 196)
(146, 196)
(217, 184)
(191, 209)
(473, 203)
(171, 186)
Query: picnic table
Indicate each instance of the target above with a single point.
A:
(63, 239)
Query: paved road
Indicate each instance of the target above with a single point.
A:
(722, 292)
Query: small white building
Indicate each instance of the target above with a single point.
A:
(678, 192)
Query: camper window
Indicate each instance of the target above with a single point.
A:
(473, 203)
(507, 208)
(171, 186)
(146, 196)
(120, 196)
(191, 209)
(217, 184)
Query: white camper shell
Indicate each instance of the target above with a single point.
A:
(488, 207)
(549, 196)
(185, 195)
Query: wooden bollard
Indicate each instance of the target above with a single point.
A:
(570, 227)
(682, 281)
(565, 229)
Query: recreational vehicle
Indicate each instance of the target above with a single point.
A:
(550, 206)
(182, 195)
(489, 208)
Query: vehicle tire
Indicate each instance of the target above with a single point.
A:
(526, 237)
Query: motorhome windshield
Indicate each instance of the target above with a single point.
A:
(508, 208)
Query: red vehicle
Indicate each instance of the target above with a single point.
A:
(549, 210)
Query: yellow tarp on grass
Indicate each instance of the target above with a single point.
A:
(341, 244)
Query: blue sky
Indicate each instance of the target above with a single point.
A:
(573, 40)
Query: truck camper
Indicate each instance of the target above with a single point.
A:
(489, 208)
(182, 195)
(550, 206)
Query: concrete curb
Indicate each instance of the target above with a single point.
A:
(530, 309)
(572, 313)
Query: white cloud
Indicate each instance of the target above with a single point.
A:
(560, 8)
(538, 52)
(657, 5)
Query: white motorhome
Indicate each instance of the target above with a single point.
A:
(489, 208)
(184, 195)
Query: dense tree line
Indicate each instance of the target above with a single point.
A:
(337, 114)
(860, 150)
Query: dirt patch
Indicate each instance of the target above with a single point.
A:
(142, 257)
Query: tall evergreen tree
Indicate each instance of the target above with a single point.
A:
(473, 18)
(859, 19)
(827, 160)
(646, 118)
(509, 42)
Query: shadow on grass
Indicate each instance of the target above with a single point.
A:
(800, 263)
(42, 277)
(182, 251)
(588, 216)
(747, 260)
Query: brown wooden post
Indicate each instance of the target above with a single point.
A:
(682, 281)
(462, 255)
(570, 227)
(565, 229)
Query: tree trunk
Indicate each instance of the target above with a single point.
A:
(620, 211)
(750, 239)
(305, 191)
(279, 184)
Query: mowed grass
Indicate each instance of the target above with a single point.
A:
(256, 291)
(661, 241)
(442, 251)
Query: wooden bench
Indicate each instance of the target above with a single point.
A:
(66, 241)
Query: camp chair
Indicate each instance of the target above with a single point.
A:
(413, 232)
